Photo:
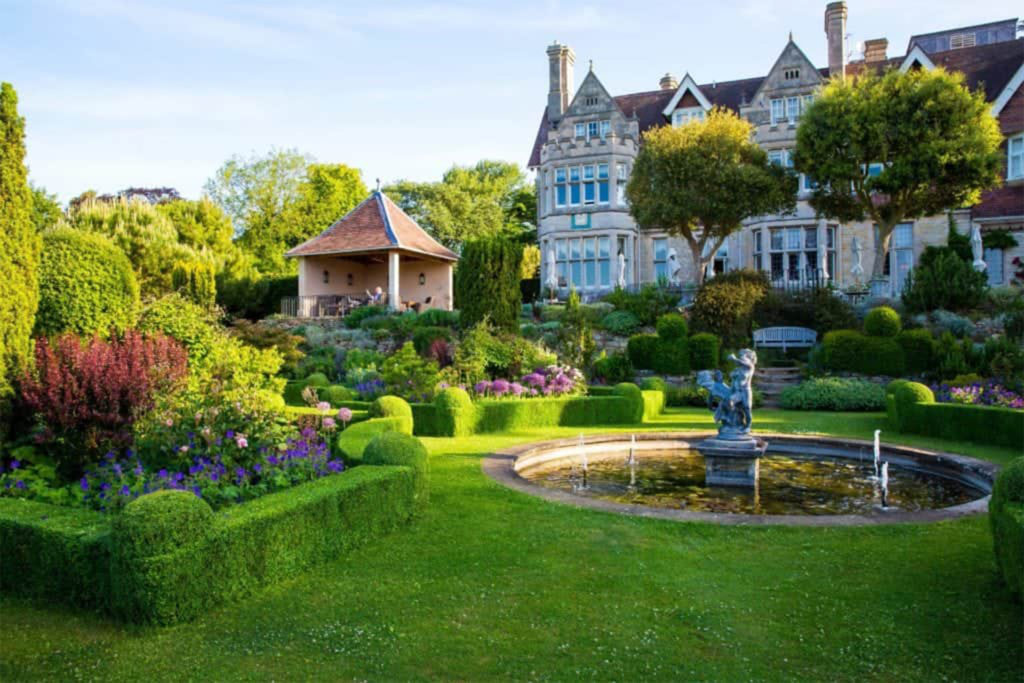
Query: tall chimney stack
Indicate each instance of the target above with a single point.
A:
(835, 33)
(874, 50)
(560, 61)
(668, 82)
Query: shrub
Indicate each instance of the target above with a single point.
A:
(653, 384)
(614, 368)
(317, 379)
(394, 448)
(337, 394)
(87, 395)
(487, 282)
(912, 410)
(818, 309)
(642, 350)
(573, 411)
(833, 393)
(672, 356)
(648, 304)
(424, 337)
(195, 281)
(576, 338)
(355, 318)
(882, 322)
(405, 373)
(269, 337)
(704, 349)
(621, 323)
(724, 305)
(918, 350)
(851, 351)
(689, 395)
(672, 326)
(438, 317)
(86, 285)
(944, 280)
(632, 392)
(455, 412)
(352, 442)
(183, 320)
(393, 406)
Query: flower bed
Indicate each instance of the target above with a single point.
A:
(911, 408)
(982, 392)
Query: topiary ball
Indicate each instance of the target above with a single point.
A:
(86, 285)
(393, 406)
(672, 326)
(394, 448)
(337, 394)
(317, 379)
(913, 392)
(160, 522)
(882, 322)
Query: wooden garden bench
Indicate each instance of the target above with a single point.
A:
(784, 337)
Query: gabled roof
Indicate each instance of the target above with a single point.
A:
(377, 224)
(989, 66)
(688, 85)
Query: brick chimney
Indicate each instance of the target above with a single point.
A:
(835, 33)
(668, 82)
(874, 50)
(560, 61)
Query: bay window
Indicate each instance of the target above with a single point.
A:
(899, 260)
(794, 253)
(560, 188)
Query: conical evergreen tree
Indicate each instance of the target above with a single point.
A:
(19, 251)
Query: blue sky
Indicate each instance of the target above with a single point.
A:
(119, 93)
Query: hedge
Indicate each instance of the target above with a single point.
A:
(911, 409)
(336, 394)
(918, 350)
(833, 393)
(1006, 515)
(78, 557)
(393, 406)
(704, 351)
(672, 356)
(454, 414)
(852, 351)
(882, 322)
(395, 448)
(642, 350)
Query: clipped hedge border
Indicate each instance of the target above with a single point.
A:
(79, 557)
(910, 408)
(356, 437)
(452, 415)
(1007, 522)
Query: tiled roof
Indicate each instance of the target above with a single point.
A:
(1002, 201)
(377, 224)
(988, 66)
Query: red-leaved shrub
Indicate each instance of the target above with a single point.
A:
(87, 393)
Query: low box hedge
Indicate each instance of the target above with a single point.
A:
(157, 564)
(911, 408)
(1006, 515)
(853, 351)
(353, 440)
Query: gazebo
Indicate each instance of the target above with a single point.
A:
(374, 254)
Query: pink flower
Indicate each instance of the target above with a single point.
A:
(329, 423)
(183, 449)
(323, 406)
(241, 442)
(345, 415)
(169, 422)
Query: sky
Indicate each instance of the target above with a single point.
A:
(120, 93)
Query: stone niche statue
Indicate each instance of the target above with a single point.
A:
(674, 268)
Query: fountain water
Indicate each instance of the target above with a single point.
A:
(631, 462)
(878, 450)
(584, 464)
(884, 485)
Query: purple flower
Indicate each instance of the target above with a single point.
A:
(125, 490)
(345, 415)
(15, 464)
(162, 474)
(329, 423)
(230, 433)
(500, 387)
(84, 483)
(105, 486)
(481, 387)
(138, 469)
(20, 484)
(257, 467)
(517, 389)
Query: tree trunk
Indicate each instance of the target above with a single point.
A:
(696, 251)
(881, 250)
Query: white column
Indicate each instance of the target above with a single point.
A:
(451, 287)
(394, 297)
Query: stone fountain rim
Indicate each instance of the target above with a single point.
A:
(500, 466)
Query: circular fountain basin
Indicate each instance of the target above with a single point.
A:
(803, 480)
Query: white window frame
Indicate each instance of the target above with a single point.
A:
(793, 109)
(597, 264)
(581, 130)
(996, 258)
(684, 115)
(655, 261)
(780, 115)
(1012, 155)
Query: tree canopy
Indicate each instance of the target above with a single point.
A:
(281, 199)
(471, 202)
(19, 250)
(896, 147)
(46, 212)
(701, 180)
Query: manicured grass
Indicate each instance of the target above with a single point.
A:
(493, 584)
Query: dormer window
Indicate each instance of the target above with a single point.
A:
(686, 114)
(590, 101)
(961, 40)
(791, 74)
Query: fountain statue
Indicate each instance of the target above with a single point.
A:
(731, 458)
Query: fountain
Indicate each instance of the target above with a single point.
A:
(884, 485)
(878, 450)
(732, 458)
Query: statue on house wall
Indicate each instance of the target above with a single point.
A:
(673, 268)
(858, 269)
(551, 281)
(620, 281)
(978, 250)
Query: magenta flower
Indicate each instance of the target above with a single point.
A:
(323, 406)
(345, 415)
(242, 442)
(329, 423)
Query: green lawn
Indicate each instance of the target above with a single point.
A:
(493, 584)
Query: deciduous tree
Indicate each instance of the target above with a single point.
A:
(897, 146)
(700, 181)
